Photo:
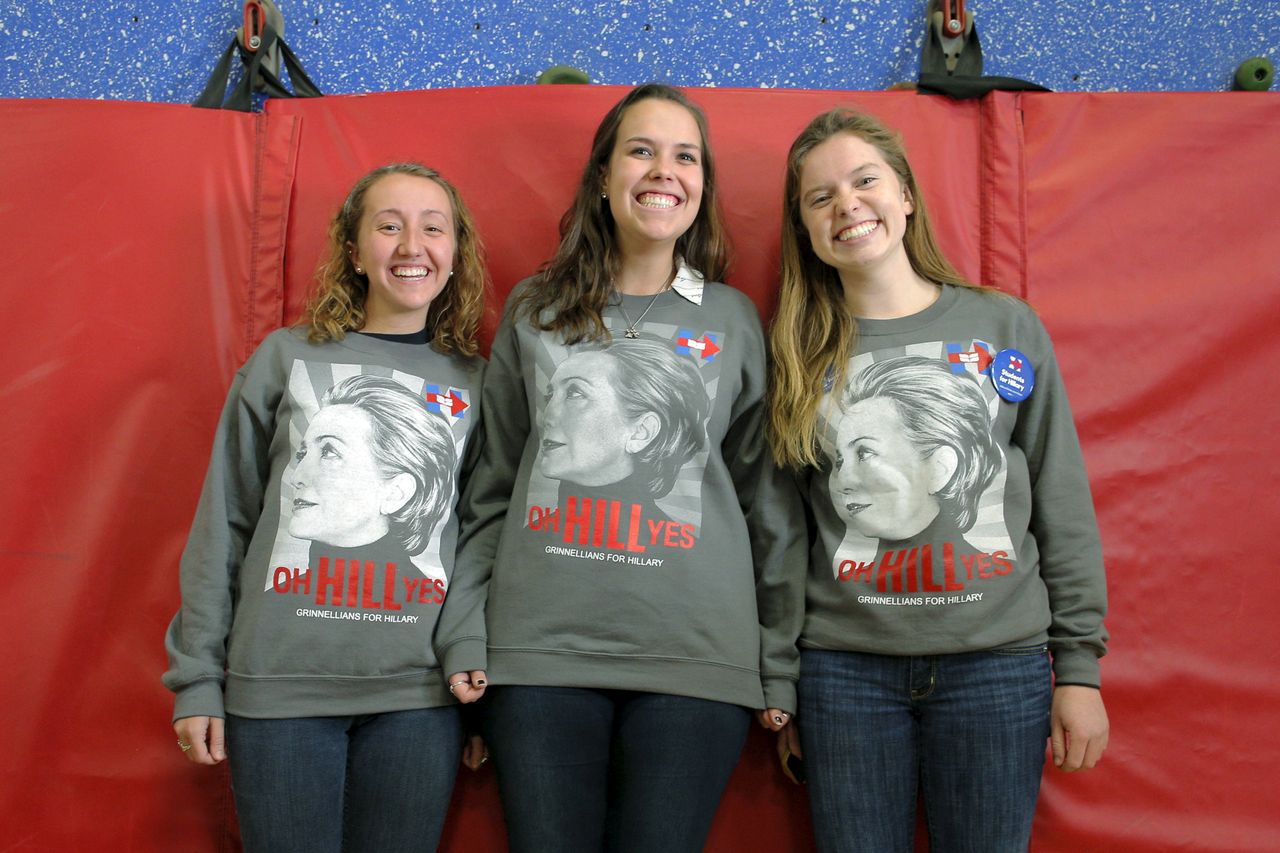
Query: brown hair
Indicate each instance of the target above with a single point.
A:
(571, 290)
(338, 304)
(813, 335)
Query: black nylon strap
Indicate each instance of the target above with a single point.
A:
(257, 77)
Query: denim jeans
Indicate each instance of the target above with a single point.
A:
(377, 782)
(592, 770)
(967, 731)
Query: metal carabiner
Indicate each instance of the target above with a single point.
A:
(953, 20)
(255, 19)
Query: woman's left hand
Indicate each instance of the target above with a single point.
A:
(467, 686)
(474, 752)
(1079, 726)
(773, 719)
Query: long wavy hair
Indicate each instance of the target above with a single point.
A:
(570, 291)
(813, 335)
(337, 305)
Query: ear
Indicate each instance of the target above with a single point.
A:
(943, 463)
(353, 252)
(396, 492)
(643, 432)
(908, 203)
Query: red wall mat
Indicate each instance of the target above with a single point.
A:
(143, 247)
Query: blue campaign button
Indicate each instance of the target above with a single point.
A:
(1013, 375)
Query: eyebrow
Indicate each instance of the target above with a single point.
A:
(429, 211)
(323, 436)
(864, 167)
(576, 376)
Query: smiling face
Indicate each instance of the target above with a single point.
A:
(587, 436)
(654, 177)
(405, 244)
(882, 485)
(853, 206)
(341, 497)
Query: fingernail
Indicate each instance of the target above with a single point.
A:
(480, 682)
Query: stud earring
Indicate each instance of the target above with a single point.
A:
(359, 270)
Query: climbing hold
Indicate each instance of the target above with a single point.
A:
(1255, 74)
(563, 74)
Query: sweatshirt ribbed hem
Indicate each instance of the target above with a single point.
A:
(699, 679)
(280, 696)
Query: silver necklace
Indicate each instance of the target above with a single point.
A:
(631, 327)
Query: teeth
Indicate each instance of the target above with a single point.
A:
(409, 272)
(656, 200)
(862, 229)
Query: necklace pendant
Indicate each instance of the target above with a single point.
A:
(631, 333)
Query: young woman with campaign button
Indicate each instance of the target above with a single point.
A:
(955, 594)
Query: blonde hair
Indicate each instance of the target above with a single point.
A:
(337, 305)
(813, 335)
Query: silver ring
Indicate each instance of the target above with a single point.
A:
(453, 684)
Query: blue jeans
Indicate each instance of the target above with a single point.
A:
(967, 730)
(592, 770)
(377, 782)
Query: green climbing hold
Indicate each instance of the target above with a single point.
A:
(563, 74)
(1255, 74)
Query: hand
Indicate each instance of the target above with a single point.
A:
(1080, 728)
(467, 686)
(201, 739)
(474, 752)
(773, 719)
(789, 745)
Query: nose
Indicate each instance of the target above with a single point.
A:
(663, 167)
(410, 243)
(300, 473)
(847, 202)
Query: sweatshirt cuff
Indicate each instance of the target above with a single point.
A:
(1076, 666)
(201, 699)
(464, 655)
(780, 693)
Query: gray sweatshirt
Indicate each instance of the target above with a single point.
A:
(322, 547)
(624, 527)
(951, 519)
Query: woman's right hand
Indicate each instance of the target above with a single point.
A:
(467, 686)
(201, 739)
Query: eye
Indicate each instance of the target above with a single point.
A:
(301, 454)
(819, 200)
(641, 151)
(839, 460)
(388, 228)
(329, 451)
(867, 180)
(688, 157)
(864, 453)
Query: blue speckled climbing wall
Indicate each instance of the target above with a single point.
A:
(162, 51)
